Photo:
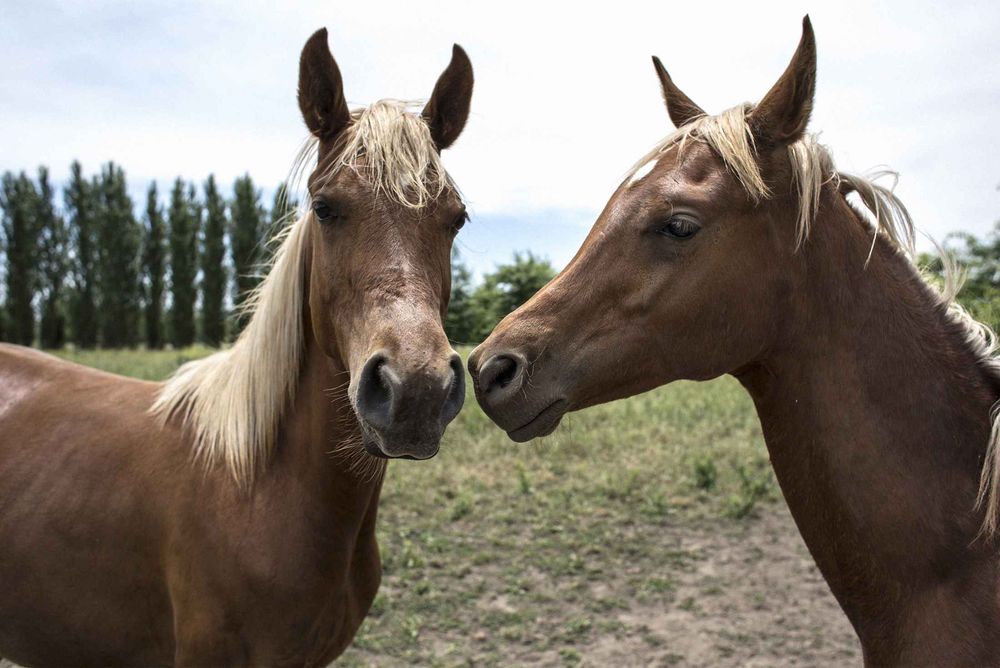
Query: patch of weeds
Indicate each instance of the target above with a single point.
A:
(461, 508)
(578, 627)
(411, 626)
(523, 483)
(651, 638)
(754, 486)
(658, 585)
(705, 474)
(570, 656)
(379, 605)
(656, 506)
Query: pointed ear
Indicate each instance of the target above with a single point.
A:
(448, 109)
(321, 90)
(782, 116)
(680, 107)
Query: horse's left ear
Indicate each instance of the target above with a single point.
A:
(448, 109)
(782, 116)
(680, 107)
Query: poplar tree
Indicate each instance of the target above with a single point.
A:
(52, 261)
(213, 270)
(119, 237)
(183, 266)
(283, 210)
(246, 231)
(81, 216)
(19, 202)
(153, 262)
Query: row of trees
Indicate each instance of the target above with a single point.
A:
(95, 273)
(475, 310)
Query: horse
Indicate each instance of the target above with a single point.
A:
(227, 516)
(736, 247)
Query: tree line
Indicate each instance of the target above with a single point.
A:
(90, 270)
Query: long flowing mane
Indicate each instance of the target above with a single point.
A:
(233, 401)
(729, 135)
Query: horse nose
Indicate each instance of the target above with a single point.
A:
(378, 392)
(500, 377)
(409, 409)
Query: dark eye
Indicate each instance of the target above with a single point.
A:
(460, 221)
(680, 227)
(324, 213)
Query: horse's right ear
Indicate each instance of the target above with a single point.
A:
(782, 116)
(680, 107)
(321, 90)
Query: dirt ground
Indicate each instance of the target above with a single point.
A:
(752, 598)
(735, 594)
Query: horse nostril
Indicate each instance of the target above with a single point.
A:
(377, 390)
(456, 390)
(501, 372)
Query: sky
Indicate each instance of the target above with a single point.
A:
(565, 100)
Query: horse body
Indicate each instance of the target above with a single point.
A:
(118, 550)
(227, 515)
(874, 393)
(877, 431)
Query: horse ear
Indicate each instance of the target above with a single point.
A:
(448, 109)
(680, 107)
(782, 116)
(321, 89)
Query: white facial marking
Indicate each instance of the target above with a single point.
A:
(641, 172)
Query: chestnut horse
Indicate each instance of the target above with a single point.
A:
(732, 248)
(228, 516)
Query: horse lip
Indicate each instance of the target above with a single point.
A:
(374, 448)
(543, 424)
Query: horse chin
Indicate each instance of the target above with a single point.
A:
(372, 448)
(376, 447)
(543, 424)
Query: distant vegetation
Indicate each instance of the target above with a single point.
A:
(979, 259)
(91, 271)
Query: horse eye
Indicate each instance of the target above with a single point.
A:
(680, 227)
(460, 222)
(323, 211)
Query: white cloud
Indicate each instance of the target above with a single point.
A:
(565, 99)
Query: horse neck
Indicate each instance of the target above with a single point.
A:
(874, 409)
(319, 448)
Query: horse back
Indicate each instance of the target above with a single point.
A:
(82, 466)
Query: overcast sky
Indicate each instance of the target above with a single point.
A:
(565, 99)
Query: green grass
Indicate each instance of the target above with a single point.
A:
(139, 363)
(494, 550)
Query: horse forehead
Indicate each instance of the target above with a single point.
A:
(694, 164)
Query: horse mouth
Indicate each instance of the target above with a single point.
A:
(373, 448)
(543, 424)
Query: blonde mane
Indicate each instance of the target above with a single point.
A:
(233, 401)
(729, 135)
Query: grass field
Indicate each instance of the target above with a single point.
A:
(647, 531)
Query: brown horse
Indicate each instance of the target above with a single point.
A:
(227, 516)
(732, 248)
